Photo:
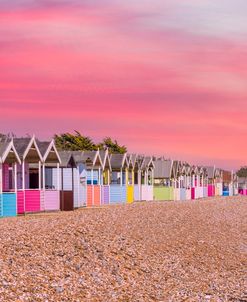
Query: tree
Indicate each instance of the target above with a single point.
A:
(242, 172)
(112, 146)
(74, 142)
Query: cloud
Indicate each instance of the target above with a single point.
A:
(163, 77)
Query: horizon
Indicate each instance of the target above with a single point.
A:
(161, 77)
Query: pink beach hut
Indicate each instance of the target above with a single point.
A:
(50, 195)
(211, 180)
(29, 180)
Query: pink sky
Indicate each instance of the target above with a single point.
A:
(164, 77)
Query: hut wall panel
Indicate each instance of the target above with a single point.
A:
(188, 194)
(51, 200)
(137, 193)
(5, 173)
(42, 200)
(32, 201)
(27, 182)
(160, 193)
(1, 205)
(9, 204)
(80, 196)
(211, 190)
(77, 188)
(219, 189)
(97, 195)
(198, 192)
(182, 194)
(176, 194)
(150, 196)
(105, 194)
(19, 182)
(80, 189)
(130, 194)
(66, 201)
(89, 196)
(205, 192)
(67, 179)
(193, 193)
(117, 194)
(230, 190)
(147, 192)
(20, 202)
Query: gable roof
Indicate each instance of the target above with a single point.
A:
(49, 151)
(163, 168)
(24, 146)
(147, 162)
(118, 161)
(89, 158)
(8, 153)
(210, 171)
(105, 159)
(67, 159)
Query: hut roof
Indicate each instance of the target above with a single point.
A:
(27, 148)
(67, 159)
(163, 168)
(105, 159)
(118, 161)
(90, 158)
(8, 152)
(210, 171)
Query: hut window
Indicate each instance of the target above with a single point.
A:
(48, 179)
(34, 178)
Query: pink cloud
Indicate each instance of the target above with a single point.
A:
(162, 91)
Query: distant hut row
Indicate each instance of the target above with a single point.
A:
(36, 177)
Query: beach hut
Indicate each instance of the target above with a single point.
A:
(164, 177)
(180, 183)
(139, 175)
(235, 184)
(130, 177)
(118, 187)
(199, 182)
(91, 163)
(188, 181)
(105, 176)
(8, 179)
(218, 182)
(50, 194)
(211, 180)
(242, 185)
(147, 178)
(29, 177)
(72, 181)
(65, 182)
(177, 171)
(194, 176)
(227, 183)
(204, 182)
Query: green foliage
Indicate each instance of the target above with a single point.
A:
(242, 172)
(112, 146)
(76, 142)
